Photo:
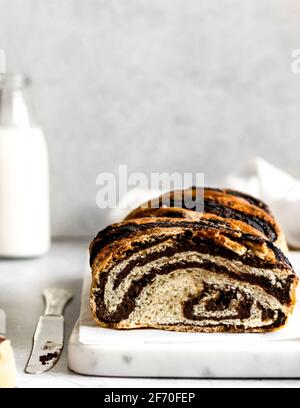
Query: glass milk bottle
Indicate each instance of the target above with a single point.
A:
(24, 174)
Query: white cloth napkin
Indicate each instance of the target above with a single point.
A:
(276, 188)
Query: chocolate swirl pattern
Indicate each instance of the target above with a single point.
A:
(177, 269)
(226, 203)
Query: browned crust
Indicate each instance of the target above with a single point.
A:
(222, 233)
(225, 197)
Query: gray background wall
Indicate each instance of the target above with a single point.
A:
(162, 85)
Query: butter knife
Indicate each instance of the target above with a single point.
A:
(48, 339)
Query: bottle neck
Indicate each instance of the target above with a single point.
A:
(14, 105)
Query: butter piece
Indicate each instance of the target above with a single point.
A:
(7, 364)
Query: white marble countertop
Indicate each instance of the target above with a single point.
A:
(21, 286)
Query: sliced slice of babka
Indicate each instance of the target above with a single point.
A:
(207, 273)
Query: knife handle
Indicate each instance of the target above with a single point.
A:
(56, 300)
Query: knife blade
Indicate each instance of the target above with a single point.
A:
(48, 339)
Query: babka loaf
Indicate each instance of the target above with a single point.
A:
(220, 269)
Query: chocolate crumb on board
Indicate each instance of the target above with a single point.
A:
(48, 357)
